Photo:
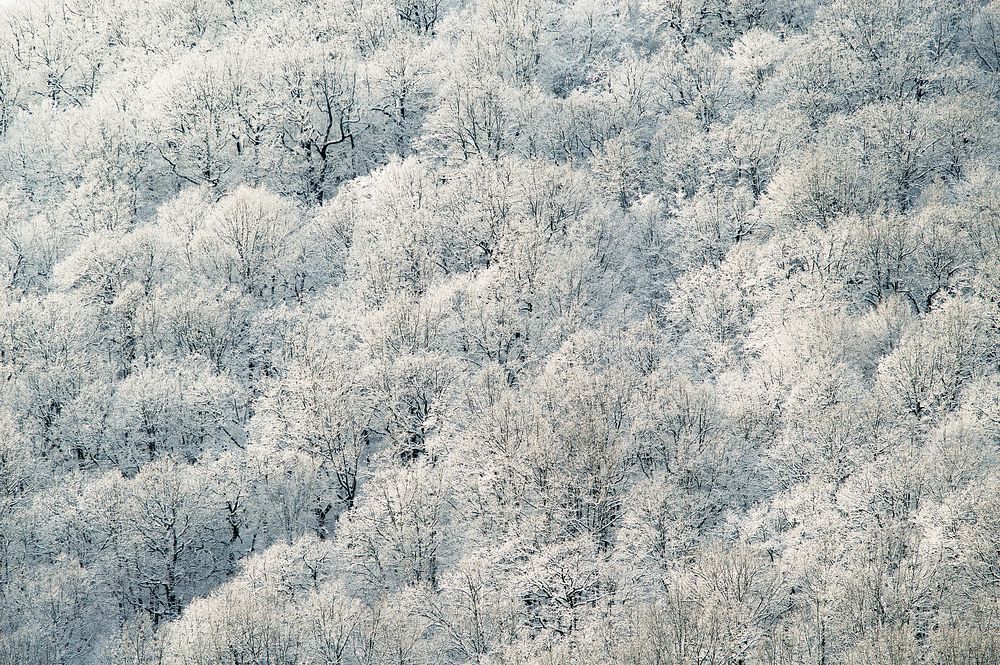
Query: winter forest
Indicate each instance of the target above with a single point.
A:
(499, 332)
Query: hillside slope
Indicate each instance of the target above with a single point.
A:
(419, 332)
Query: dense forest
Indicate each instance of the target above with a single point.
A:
(496, 332)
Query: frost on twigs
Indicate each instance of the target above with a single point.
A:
(499, 332)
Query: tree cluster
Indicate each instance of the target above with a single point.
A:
(496, 332)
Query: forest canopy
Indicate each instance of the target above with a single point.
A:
(496, 332)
